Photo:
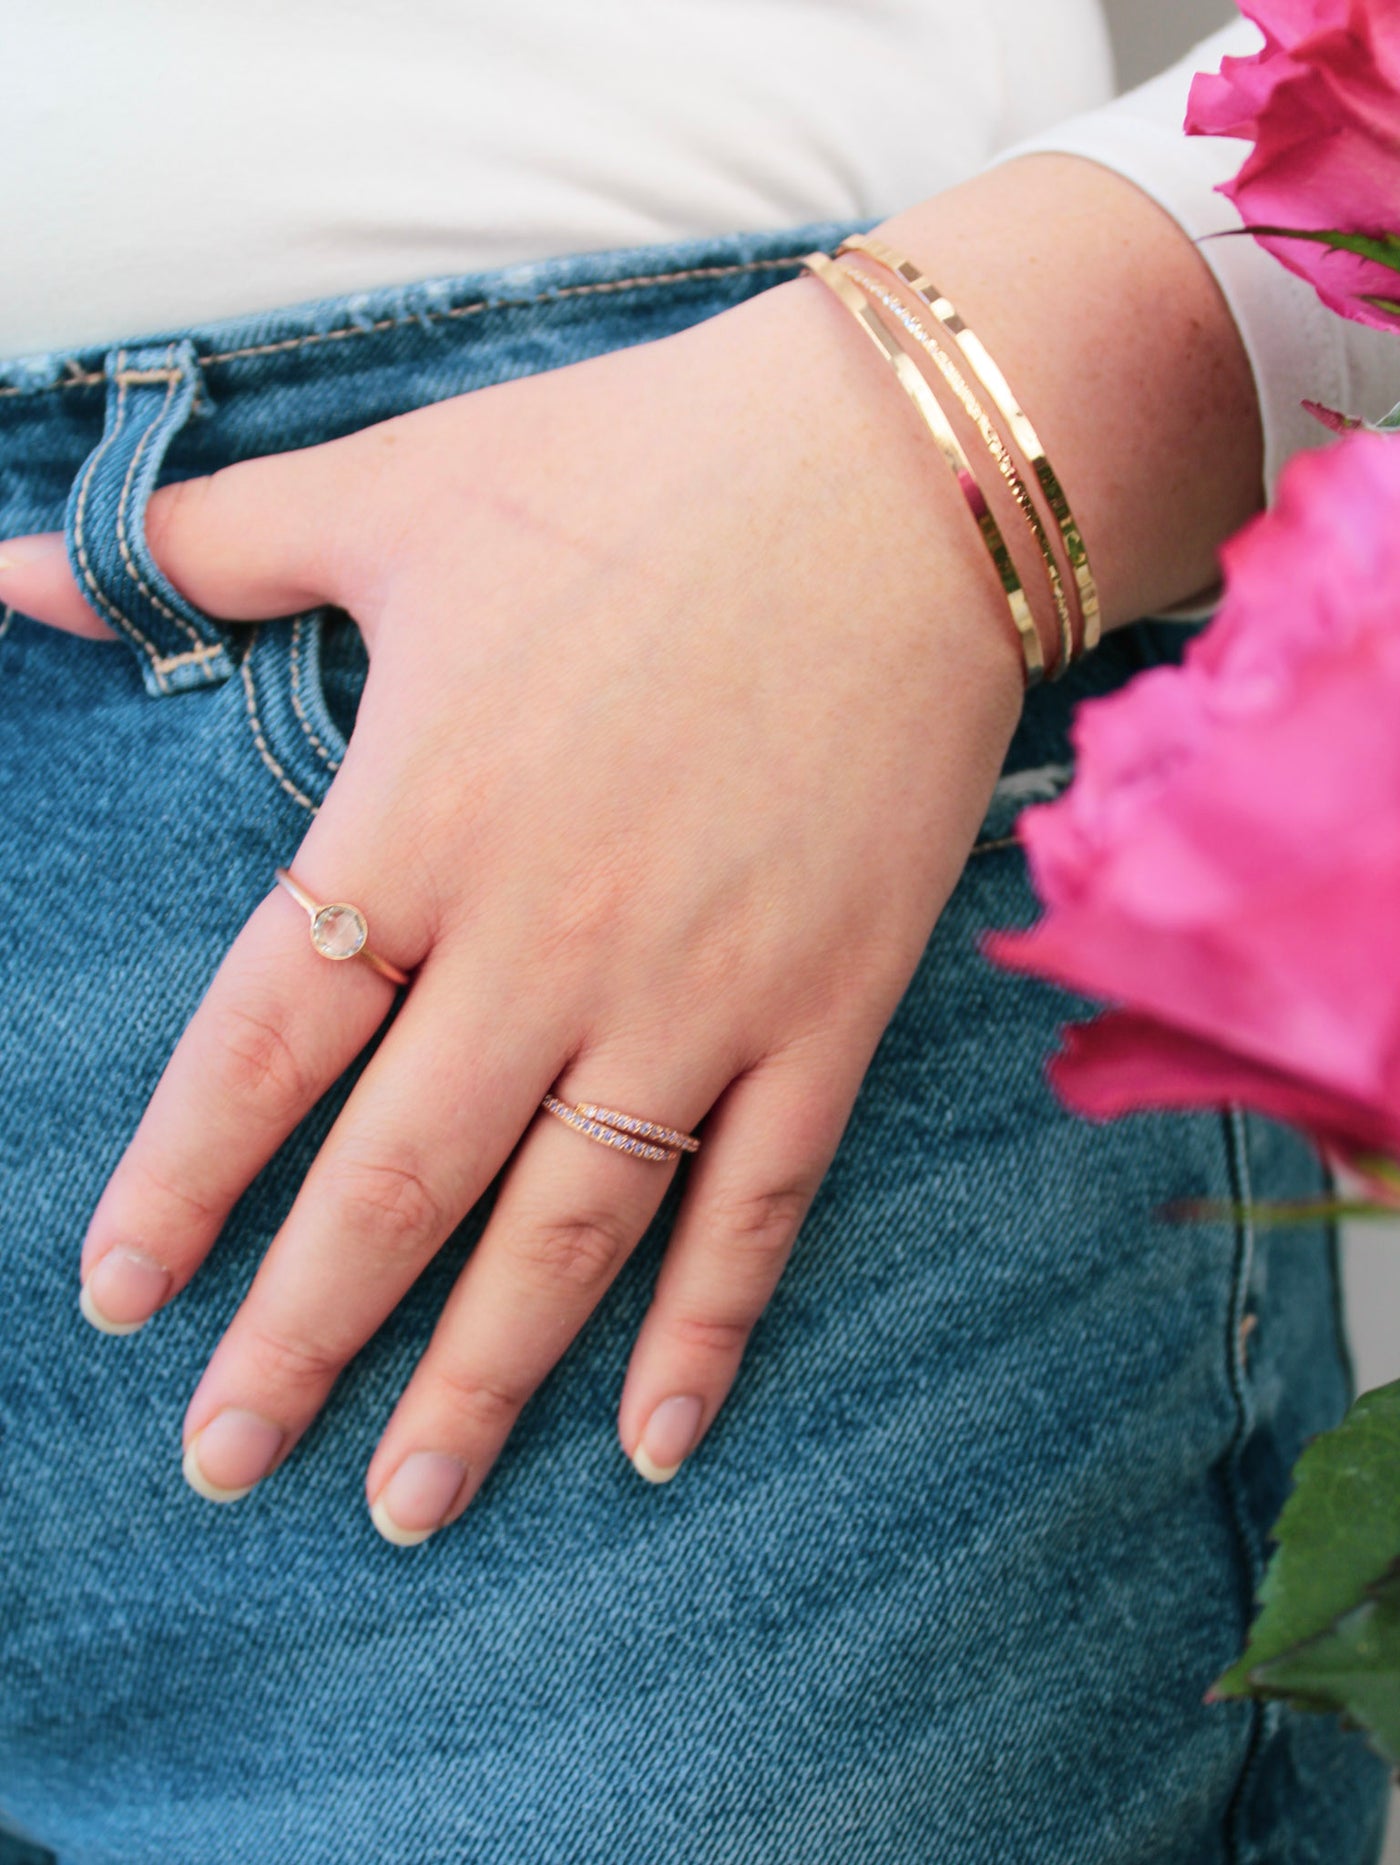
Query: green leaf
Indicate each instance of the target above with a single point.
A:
(1383, 248)
(1377, 1165)
(1352, 1668)
(1391, 306)
(1391, 425)
(1338, 1535)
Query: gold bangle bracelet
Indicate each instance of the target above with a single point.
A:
(1017, 420)
(996, 446)
(839, 282)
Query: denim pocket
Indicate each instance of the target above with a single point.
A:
(302, 679)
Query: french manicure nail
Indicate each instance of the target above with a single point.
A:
(124, 1291)
(668, 1439)
(231, 1455)
(418, 1497)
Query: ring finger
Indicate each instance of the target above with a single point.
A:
(569, 1214)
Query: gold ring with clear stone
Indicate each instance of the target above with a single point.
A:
(338, 930)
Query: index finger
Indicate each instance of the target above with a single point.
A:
(276, 1028)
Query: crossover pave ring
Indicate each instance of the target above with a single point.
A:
(629, 1133)
(338, 930)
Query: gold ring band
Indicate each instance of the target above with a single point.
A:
(629, 1133)
(338, 930)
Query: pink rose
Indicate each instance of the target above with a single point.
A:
(1225, 867)
(1321, 104)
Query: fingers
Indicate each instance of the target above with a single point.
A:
(566, 1219)
(277, 1026)
(428, 1126)
(565, 1222)
(36, 580)
(415, 1148)
(769, 1143)
(257, 539)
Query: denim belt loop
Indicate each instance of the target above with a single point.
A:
(151, 393)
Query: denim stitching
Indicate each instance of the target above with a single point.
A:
(1239, 1366)
(86, 378)
(7, 615)
(332, 763)
(1237, 1151)
(498, 304)
(80, 545)
(171, 378)
(207, 651)
(258, 738)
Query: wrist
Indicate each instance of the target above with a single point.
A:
(863, 478)
(1116, 336)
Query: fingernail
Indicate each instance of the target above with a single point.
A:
(44, 548)
(232, 1454)
(125, 1289)
(418, 1497)
(668, 1439)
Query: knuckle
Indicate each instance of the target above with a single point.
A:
(763, 1223)
(147, 1186)
(258, 1063)
(581, 1252)
(391, 1202)
(481, 1404)
(296, 1365)
(710, 1334)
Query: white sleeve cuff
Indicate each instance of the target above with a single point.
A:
(1297, 348)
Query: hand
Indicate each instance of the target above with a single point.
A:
(689, 684)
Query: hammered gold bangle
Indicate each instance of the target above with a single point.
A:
(839, 281)
(996, 446)
(1027, 439)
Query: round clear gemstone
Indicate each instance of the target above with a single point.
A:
(339, 931)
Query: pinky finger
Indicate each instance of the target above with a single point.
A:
(768, 1144)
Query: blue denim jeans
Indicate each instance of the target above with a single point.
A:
(985, 1512)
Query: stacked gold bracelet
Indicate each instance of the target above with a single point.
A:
(846, 283)
(855, 301)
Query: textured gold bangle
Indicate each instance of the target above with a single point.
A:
(996, 446)
(839, 281)
(1027, 439)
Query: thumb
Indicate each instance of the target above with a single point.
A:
(251, 541)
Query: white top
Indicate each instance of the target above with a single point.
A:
(179, 161)
(174, 161)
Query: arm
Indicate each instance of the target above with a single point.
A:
(737, 557)
(1298, 350)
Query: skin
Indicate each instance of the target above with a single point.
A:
(682, 715)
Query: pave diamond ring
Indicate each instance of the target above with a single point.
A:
(338, 930)
(629, 1133)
